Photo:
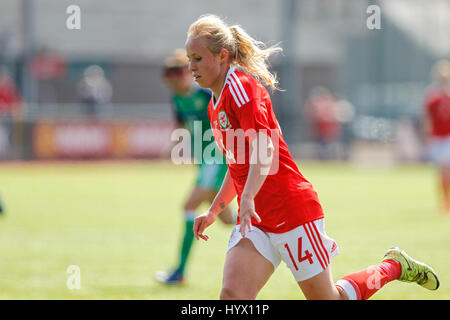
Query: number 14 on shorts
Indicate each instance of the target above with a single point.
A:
(307, 249)
(302, 256)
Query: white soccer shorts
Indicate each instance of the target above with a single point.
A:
(440, 151)
(307, 250)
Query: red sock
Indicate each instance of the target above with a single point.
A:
(363, 284)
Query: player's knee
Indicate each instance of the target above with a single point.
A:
(234, 293)
(229, 294)
(226, 294)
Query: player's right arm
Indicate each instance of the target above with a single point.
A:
(223, 198)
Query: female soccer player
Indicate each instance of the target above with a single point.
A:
(280, 217)
(437, 115)
(190, 106)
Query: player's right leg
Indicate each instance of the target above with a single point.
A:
(246, 271)
(249, 263)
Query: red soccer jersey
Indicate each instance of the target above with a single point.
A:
(286, 199)
(438, 110)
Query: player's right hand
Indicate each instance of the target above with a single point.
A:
(202, 222)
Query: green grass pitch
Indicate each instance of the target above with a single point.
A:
(120, 223)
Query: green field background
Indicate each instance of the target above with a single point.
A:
(121, 222)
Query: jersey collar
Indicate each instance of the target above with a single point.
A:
(230, 71)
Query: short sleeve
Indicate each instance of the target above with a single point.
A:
(253, 117)
(251, 104)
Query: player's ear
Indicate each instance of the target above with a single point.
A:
(223, 55)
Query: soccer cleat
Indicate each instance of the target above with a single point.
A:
(413, 270)
(176, 277)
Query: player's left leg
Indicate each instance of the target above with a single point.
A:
(363, 284)
(396, 265)
(322, 287)
(307, 250)
(356, 286)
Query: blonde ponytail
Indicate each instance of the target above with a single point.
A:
(245, 52)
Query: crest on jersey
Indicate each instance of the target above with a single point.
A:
(223, 119)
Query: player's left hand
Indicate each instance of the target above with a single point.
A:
(246, 213)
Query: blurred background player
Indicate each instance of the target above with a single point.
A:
(11, 107)
(437, 126)
(190, 104)
(95, 90)
(322, 108)
(11, 104)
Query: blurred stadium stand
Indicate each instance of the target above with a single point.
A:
(382, 73)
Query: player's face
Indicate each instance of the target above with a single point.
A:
(206, 67)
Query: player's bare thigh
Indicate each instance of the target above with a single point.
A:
(321, 287)
(246, 271)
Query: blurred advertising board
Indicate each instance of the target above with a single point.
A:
(99, 140)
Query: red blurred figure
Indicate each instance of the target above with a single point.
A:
(437, 115)
(10, 100)
(322, 108)
(48, 65)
